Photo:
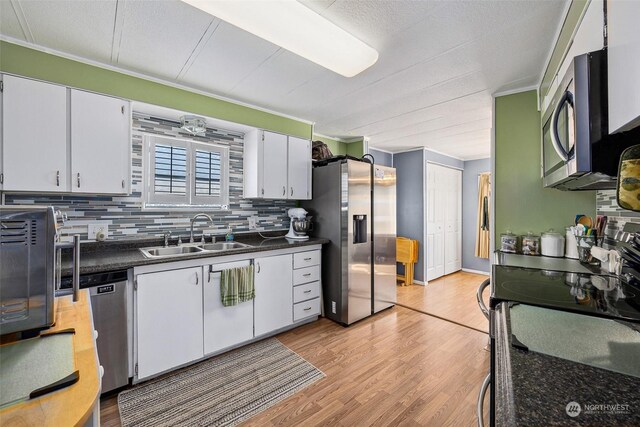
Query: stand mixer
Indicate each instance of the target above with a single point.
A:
(299, 225)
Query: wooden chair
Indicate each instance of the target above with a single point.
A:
(407, 254)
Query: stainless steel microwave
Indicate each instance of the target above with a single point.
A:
(575, 126)
(578, 153)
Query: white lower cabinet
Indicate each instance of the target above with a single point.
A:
(274, 296)
(305, 309)
(306, 285)
(169, 319)
(179, 317)
(224, 327)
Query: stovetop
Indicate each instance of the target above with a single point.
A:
(599, 295)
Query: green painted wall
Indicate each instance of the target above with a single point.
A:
(32, 63)
(336, 147)
(522, 204)
(355, 149)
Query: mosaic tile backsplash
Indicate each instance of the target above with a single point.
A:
(124, 214)
(617, 217)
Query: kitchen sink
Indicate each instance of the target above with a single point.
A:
(223, 246)
(170, 251)
(175, 251)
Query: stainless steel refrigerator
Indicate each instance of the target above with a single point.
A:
(354, 205)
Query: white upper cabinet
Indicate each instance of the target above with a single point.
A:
(623, 64)
(34, 136)
(100, 143)
(274, 170)
(299, 170)
(276, 166)
(56, 139)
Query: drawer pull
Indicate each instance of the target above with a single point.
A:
(307, 309)
(307, 292)
(307, 274)
(308, 259)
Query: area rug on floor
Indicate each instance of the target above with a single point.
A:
(222, 391)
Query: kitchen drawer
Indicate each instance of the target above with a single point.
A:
(306, 292)
(306, 275)
(306, 259)
(305, 309)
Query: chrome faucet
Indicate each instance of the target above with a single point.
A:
(166, 238)
(195, 217)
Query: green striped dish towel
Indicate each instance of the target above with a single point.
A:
(236, 285)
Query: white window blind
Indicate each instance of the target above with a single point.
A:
(170, 174)
(185, 173)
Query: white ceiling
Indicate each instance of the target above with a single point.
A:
(439, 62)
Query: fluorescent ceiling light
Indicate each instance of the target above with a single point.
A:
(296, 28)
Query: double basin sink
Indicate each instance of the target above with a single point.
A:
(190, 249)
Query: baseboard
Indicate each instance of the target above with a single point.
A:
(468, 270)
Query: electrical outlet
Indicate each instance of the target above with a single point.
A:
(253, 222)
(97, 227)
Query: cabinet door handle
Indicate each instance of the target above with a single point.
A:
(123, 183)
(292, 191)
(307, 274)
(257, 267)
(307, 309)
(262, 192)
(307, 292)
(284, 190)
(57, 178)
(308, 259)
(122, 109)
(78, 179)
(197, 279)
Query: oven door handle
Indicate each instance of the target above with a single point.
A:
(481, 303)
(555, 138)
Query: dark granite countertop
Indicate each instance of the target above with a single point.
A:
(542, 386)
(98, 257)
(546, 263)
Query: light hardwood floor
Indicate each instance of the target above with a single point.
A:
(452, 297)
(399, 367)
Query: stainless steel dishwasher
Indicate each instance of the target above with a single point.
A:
(109, 306)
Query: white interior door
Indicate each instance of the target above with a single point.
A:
(274, 166)
(100, 143)
(299, 169)
(443, 221)
(168, 320)
(453, 220)
(435, 223)
(34, 128)
(224, 326)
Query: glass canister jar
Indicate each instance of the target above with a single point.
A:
(509, 242)
(531, 244)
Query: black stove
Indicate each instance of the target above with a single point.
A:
(597, 295)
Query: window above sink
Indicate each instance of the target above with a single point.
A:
(185, 174)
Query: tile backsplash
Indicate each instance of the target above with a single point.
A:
(124, 214)
(617, 217)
